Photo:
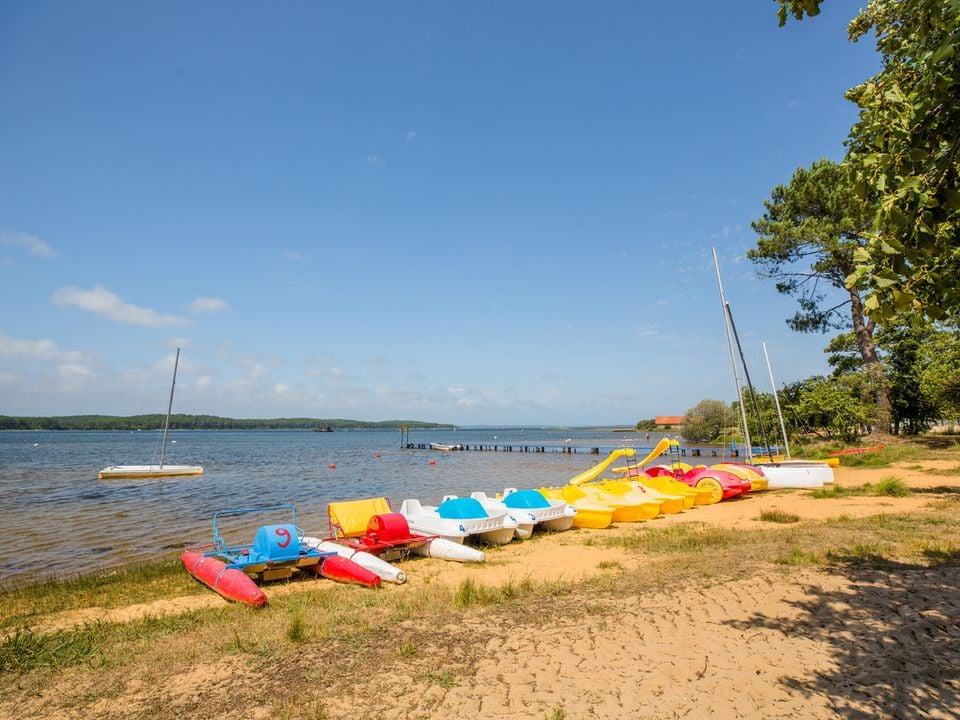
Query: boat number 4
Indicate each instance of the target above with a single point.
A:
(283, 533)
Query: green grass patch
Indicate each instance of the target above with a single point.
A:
(609, 565)
(107, 589)
(776, 515)
(675, 538)
(796, 556)
(471, 593)
(889, 486)
(444, 677)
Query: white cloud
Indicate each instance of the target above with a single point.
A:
(375, 161)
(411, 136)
(72, 371)
(208, 305)
(35, 350)
(101, 301)
(34, 245)
(294, 256)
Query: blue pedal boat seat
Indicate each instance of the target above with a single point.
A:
(461, 509)
(526, 499)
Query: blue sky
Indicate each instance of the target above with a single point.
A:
(478, 213)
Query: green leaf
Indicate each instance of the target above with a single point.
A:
(885, 279)
(942, 53)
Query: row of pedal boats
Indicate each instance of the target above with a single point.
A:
(365, 535)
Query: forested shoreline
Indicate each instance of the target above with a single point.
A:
(200, 422)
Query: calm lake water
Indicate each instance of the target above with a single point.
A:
(57, 518)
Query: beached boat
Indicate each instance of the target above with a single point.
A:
(590, 513)
(457, 519)
(370, 525)
(161, 469)
(530, 509)
(276, 553)
(856, 451)
(667, 504)
(720, 484)
(788, 474)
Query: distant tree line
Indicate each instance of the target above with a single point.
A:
(199, 422)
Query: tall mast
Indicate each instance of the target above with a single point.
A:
(166, 424)
(753, 393)
(776, 399)
(733, 360)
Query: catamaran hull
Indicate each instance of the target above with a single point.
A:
(796, 475)
(148, 471)
(444, 549)
(341, 569)
(385, 570)
(230, 583)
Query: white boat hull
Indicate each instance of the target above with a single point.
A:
(495, 530)
(800, 474)
(444, 549)
(557, 517)
(386, 571)
(148, 471)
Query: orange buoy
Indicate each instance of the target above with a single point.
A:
(378, 455)
(433, 462)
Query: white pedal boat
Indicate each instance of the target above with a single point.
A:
(459, 518)
(530, 509)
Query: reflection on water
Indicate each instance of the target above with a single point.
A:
(56, 517)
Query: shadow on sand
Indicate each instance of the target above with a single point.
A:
(894, 634)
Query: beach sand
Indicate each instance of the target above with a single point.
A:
(811, 642)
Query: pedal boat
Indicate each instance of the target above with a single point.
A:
(721, 484)
(530, 509)
(751, 474)
(370, 527)
(628, 504)
(277, 552)
(457, 519)
(664, 486)
(590, 513)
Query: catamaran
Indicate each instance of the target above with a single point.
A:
(161, 470)
(780, 474)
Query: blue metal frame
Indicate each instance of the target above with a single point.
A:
(273, 545)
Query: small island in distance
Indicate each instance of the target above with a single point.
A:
(203, 422)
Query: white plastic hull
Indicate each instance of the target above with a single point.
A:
(444, 549)
(799, 474)
(495, 530)
(385, 570)
(557, 517)
(148, 471)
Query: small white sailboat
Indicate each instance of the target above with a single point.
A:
(152, 471)
(782, 474)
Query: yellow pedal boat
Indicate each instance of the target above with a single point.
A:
(757, 480)
(590, 514)
(628, 505)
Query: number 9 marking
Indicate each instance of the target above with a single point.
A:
(284, 533)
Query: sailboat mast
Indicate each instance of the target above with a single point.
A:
(776, 399)
(746, 375)
(733, 361)
(166, 424)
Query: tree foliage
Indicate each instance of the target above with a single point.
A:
(705, 421)
(904, 155)
(835, 407)
(807, 240)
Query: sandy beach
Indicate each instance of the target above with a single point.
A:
(740, 639)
